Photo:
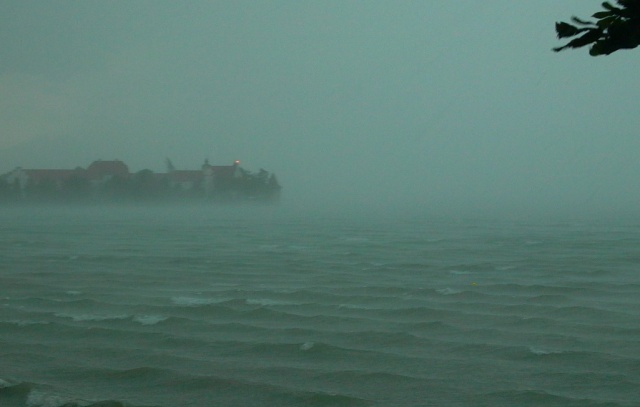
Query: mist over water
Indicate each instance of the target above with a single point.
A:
(195, 306)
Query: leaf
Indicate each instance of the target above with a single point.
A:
(579, 21)
(588, 38)
(606, 22)
(609, 7)
(602, 14)
(596, 49)
(566, 30)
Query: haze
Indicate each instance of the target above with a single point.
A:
(435, 107)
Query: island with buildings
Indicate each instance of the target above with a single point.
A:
(111, 181)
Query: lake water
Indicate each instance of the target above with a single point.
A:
(252, 307)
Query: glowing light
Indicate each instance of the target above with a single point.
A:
(236, 162)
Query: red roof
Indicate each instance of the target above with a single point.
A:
(100, 169)
(51, 175)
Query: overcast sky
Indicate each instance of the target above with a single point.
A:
(456, 106)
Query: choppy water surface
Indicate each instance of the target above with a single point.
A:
(187, 307)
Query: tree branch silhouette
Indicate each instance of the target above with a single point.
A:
(615, 28)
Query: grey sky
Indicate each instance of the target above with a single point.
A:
(421, 105)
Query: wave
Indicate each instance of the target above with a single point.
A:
(328, 399)
(141, 319)
(287, 350)
(448, 291)
(177, 389)
(392, 388)
(26, 394)
(532, 290)
(172, 389)
(197, 301)
(23, 322)
(592, 314)
(254, 313)
(92, 317)
(266, 302)
(229, 312)
(535, 398)
(149, 319)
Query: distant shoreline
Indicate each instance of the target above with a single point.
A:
(111, 182)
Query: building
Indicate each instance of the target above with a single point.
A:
(112, 180)
(46, 183)
(99, 172)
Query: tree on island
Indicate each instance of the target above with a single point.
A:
(9, 192)
(75, 189)
(615, 28)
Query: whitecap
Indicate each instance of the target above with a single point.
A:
(39, 399)
(448, 291)
(307, 345)
(353, 306)
(192, 302)
(149, 319)
(537, 351)
(460, 272)
(26, 323)
(91, 317)
(267, 302)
